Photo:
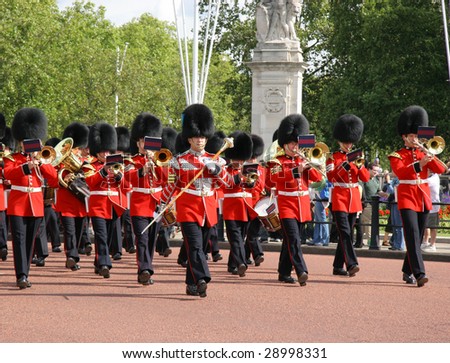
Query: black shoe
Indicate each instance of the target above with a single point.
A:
(56, 249)
(117, 256)
(40, 262)
(132, 250)
(217, 257)
(353, 270)
(181, 262)
(4, 253)
(339, 272)
(23, 283)
(421, 281)
(286, 279)
(167, 252)
(241, 270)
(302, 278)
(233, 270)
(72, 264)
(104, 271)
(88, 249)
(191, 290)
(81, 251)
(249, 261)
(259, 260)
(358, 245)
(409, 279)
(144, 278)
(201, 288)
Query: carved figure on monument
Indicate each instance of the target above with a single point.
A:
(275, 20)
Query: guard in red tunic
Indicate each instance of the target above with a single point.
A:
(411, 165)
(291, 173)
(346, 196)
(3, 229)
(106, 202)
(198, 174)
(26, 202)
(253, 246)
(238, 201)
(146, 179)
(9, 145)
(73, 206)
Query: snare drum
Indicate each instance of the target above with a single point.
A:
(268, 216)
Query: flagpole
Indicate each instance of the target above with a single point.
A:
(444, 17)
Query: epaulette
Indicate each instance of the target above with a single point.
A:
(395, 155)
(9, 156)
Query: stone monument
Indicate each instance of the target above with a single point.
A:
(277, 66)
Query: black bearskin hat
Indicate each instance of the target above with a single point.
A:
(145, 124)
(215, 143)
(8, 140)
(79, 133)
(102, 137)
(2, 126)
(291, 127)
(410, 120)
(181, 145)
(29, 123)
(348, 128)
(53, 141)
(243, 146)
(197, 120)
(275, 135)
(123, 139)
(258, 146)
(169, 136)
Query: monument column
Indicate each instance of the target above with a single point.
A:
(277, 67)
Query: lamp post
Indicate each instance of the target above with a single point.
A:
(119, 67)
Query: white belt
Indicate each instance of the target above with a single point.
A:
(413, 181)
(147, 190)
(346, 185)
(26, 189)
(199, 193)
(238, 195)
(105, 192)
(299, 193)
(1, 181)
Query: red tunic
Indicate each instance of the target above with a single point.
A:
(197, 204)
(292, 188)
(238, 200)
(146, 189)
(22, 201)
(412, 193)
(345, 195)
(105, 194)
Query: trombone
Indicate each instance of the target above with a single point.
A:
(433, 146)
(316, 156)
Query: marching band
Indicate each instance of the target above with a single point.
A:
(129, 179)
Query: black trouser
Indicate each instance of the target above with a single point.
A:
(414, 224)
(24, 231)
(193, 236)
(128, 239)
(212, 243)
(73, 231)
(145, 242)
(41, 242)
(236, 232)
(252, 243)
(104, 230)
(345, 253)
(115, 243)
(3, 230)
(85, 235)
(162, 242)
(52, 225)
(291, 252)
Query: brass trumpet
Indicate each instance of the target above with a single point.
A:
(47, 155)
(162, 157)
(251, 178)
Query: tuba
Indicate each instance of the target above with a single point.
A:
(71, 163)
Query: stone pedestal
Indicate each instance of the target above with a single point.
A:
(277, 81)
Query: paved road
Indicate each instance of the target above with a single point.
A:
(374, 306)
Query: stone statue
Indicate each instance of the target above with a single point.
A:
(275, 20)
